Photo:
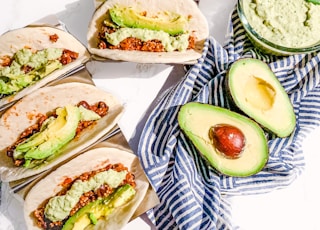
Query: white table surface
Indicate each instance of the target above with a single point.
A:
(139, 86)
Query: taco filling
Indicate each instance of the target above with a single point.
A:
(27, 66)
(84, 200)
(126, 28)
(53, 131)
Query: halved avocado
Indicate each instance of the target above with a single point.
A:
(257, 92)
(197, 120)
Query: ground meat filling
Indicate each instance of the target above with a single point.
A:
(68, 56)
(6, 61)
(53, 37)
(101, 108)
(86, 198)
(135, 43)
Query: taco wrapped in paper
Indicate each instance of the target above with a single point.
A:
(31, 57)
(152, 31)
(52, 124)
(99, 189)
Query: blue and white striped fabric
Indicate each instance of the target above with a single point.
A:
(192, 194)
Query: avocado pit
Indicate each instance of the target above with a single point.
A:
(227, 140)
(208, 128)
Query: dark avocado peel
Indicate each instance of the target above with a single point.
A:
(240, 149)
(256, 91)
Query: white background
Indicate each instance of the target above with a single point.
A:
(138, 85)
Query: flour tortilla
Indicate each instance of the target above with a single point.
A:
(197, 24)
(23, 114)
(88, 161)
(37, 38)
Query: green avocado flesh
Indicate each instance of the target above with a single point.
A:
(196, 119)
(168, 22)
(54, 134)
(43, 62)
(257, 92)
(100, 208)
(317, 2)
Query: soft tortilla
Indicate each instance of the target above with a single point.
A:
(23, 114)
(37, 38)
(198, 24)
(88, 161)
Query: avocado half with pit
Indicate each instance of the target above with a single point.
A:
(232, 143)
(256, 91)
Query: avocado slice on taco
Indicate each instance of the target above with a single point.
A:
(31, 57)
(157, 31)
(52, 124)
(53, 131)
(102, 191)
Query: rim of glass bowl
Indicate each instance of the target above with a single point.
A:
(246, 24)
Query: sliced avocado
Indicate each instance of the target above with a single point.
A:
(37, 138)
(57, 133)
(49, 68)
(257, 92)
(196, 120)
(100, 208)
(87, 114)
(173, 24)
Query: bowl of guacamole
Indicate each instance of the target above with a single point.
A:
(283, 27)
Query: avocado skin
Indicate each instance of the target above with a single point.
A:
(235, 105)
(101, 207)
(229, 99)
(128, 17)
(195, 120)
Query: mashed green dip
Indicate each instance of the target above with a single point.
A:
(59, 207)
(170, 43)
(289, 23)
(42, 63)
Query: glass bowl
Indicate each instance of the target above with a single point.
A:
(268, 46)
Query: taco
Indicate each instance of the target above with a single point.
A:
(52, 124)
(99, 189)
(31, 57)
(154, 31)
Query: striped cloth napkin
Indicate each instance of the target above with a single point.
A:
(192, 194)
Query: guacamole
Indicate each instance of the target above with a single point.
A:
(288, 23)
(59, 207)
(28, 67)
(170, 43)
